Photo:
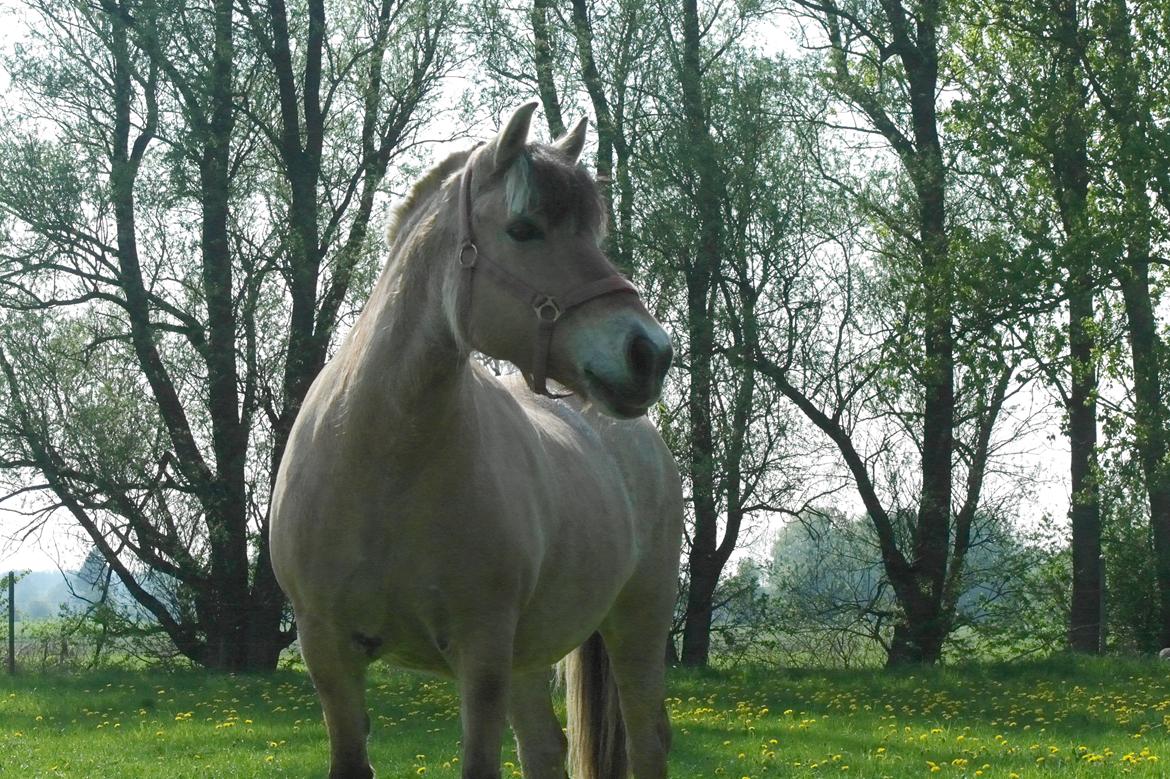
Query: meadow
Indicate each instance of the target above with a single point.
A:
(1056, 718)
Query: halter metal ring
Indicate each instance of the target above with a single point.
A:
(547, 309)
(468, 255)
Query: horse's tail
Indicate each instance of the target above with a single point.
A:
(597, 734)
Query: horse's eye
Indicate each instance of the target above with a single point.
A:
(523, 230)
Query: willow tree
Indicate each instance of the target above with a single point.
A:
(188, 193)
(674, 91)
(1124, 52)
(892, 408)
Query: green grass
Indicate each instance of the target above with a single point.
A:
(1061, 718)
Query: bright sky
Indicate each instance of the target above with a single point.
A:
(55, 546)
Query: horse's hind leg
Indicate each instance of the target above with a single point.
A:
(635, 637)
(338, 669)
(641, 687)
(539, 736)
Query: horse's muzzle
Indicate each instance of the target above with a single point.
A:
(629, 385)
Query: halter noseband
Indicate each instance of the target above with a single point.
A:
(548, 309)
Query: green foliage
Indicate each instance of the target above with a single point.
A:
(1027, 616)
(171, 181)
(833, 606)
(1131, 585)
(103, 635)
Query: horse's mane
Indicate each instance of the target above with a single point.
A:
(421, 192)
(408, 213)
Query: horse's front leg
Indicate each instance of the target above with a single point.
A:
(484, 686)
(338, 670)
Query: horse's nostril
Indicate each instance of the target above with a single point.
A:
(641, 353)
(648, 359)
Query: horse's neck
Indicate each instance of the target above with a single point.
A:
(404, 369)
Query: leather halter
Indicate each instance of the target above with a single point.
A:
(547, 309)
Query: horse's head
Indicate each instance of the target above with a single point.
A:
(543, 294)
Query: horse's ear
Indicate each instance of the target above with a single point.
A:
(571, 143)
(511, 140)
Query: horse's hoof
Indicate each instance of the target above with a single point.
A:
(353, 773)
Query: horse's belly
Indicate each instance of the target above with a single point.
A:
(548, 632)
(425, 607)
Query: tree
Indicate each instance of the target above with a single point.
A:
(1130, 569)
(678, 155)
(192, 239)
(581, 54)
(885, 63)
(834, 602)
(1069, 163)
(1035, 114)
(708, 169)
(701, 270)
(1123, 59)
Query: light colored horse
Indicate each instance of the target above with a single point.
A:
(429, 514)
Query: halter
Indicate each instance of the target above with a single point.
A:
(548, 309)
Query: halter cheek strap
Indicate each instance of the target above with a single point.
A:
(547, 309)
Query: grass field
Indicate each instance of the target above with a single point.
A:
(1059, 718)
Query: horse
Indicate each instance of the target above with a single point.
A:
(434, 516)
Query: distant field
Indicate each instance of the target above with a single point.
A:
(1057, 719)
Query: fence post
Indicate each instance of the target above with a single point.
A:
(12, 623)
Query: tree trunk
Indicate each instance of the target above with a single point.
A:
(918, 640)
(583, 30)
(932, 534)
(1069, 158)
(926, 621)
(696, 637)
(704, 572)
(701, 274)
(227, 510)
(1086, 620)
(1150, 411)
(545, 68)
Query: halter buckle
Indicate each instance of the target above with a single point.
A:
(546, 309)
(468, 255)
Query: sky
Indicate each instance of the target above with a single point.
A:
(55, 546)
